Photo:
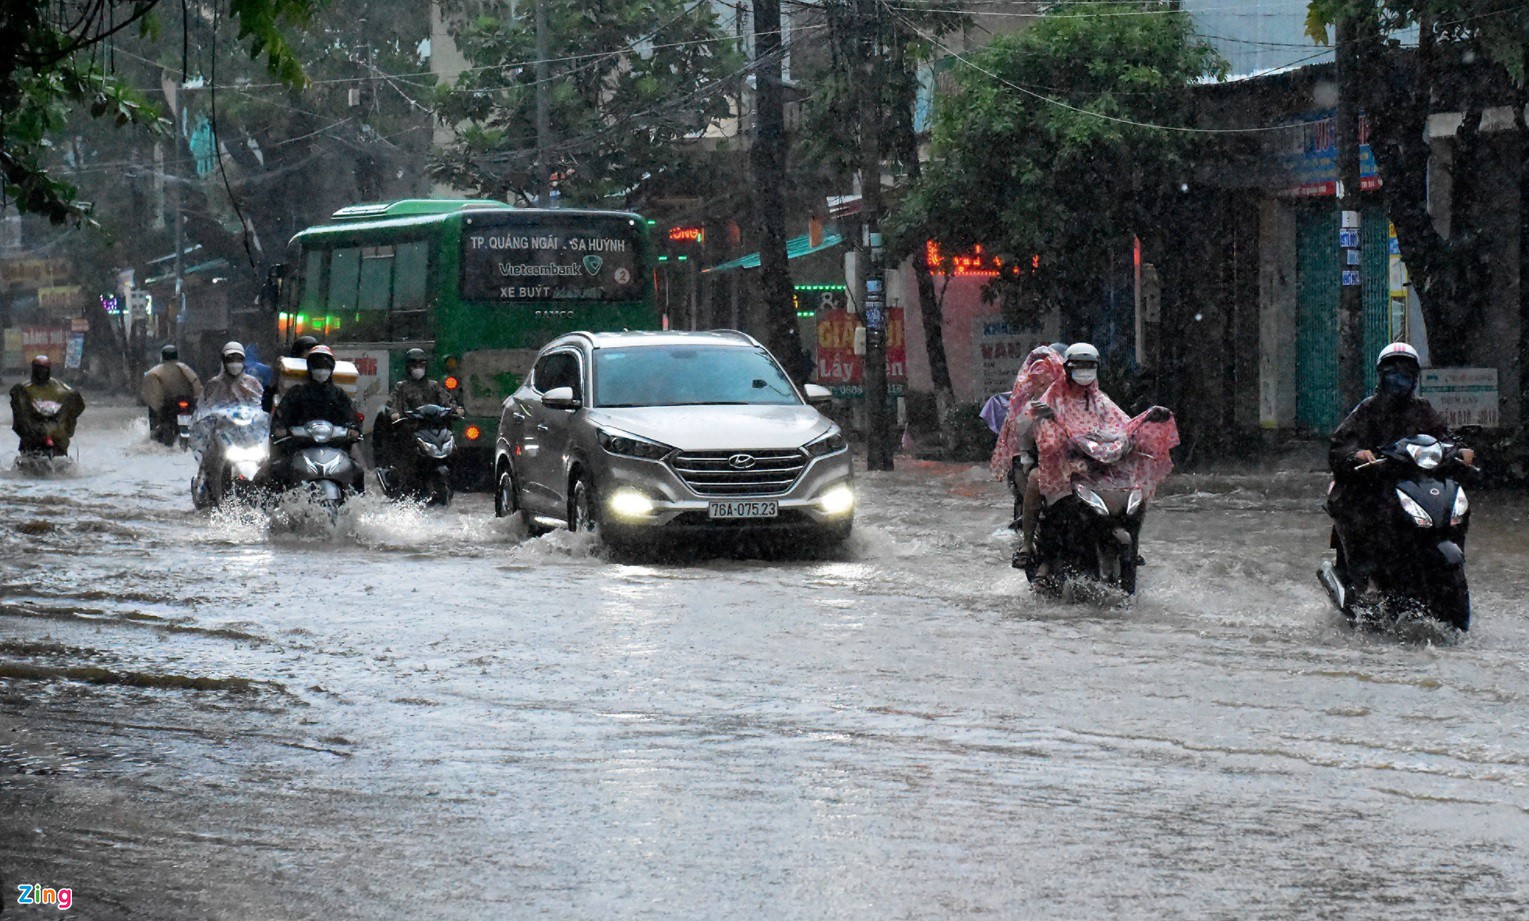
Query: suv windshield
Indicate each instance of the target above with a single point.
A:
(689, 375)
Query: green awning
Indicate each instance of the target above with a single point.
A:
(796, 247)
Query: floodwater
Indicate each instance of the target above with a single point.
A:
(422, 714)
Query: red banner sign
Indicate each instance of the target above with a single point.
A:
(839, 365)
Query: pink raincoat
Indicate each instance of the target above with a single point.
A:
(1084, 410)
(1042, 368)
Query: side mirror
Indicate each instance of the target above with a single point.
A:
(818, 395)
(560, 398)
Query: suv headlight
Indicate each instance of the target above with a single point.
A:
(831, 443)
(627, 446)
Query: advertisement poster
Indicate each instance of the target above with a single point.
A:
(1002, 350)
(1462, 396)
(841, 367)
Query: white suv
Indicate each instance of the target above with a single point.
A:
(632, 434)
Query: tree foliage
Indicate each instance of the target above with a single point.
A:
(629, 80)
(48, 69)
(1049, 149)
(1458, 56)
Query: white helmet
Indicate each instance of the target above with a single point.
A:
(233, 348)
(1082, 351)
(1398, 351)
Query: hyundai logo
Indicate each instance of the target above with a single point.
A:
(741, 461)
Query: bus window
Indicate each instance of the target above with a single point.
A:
(369, 322)
(411, 286)
(312, 300)
(344, 278)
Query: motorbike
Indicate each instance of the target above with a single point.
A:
(233, 443)
(1094, 532)
(426, 470)
(320, 462)
(46, 459)
(1428, 516)
(172, 427)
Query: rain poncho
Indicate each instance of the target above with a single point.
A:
(1042, 368)
(33, 428)
(223, 390)
(1085, 410)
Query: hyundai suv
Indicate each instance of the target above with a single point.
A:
(633, 435)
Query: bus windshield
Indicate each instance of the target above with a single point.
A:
(689, 375)
(511, 257)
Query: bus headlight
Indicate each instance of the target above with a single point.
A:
(631, 504)
(838, 500)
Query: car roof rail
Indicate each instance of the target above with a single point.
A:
(735, 333)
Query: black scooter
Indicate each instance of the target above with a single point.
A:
(318, 461)
(424, 471)
(172, 425)
(1095, 531)
(1428, 515)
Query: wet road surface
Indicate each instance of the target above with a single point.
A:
(425, 715)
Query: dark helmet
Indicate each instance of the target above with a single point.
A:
(42, 361)
(42, 369)
(302, 344)
(415, 357)
(169, 352)
(320, 357)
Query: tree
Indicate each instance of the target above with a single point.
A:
(47, 70)
(1054, 146)
(630, 84)
(1470, 55)
(768, 153)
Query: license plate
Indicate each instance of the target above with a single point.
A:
(183, 419)
(744, 509)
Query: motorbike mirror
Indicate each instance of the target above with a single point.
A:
(560, 398)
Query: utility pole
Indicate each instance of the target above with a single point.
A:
(873, 302)
(543, 183)
(1351, 357)
(178, 319)
(769, 150)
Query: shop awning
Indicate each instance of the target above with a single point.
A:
(796, 247)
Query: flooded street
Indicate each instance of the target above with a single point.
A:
(425, 714)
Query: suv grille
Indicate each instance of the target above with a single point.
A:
(739, 473)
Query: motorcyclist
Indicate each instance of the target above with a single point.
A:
(315, 398)
(229, 389)
(1393, 412)
(1074, 405)
(30, 427)
(300, 348)
(1014, 454)
(415, 390)
(165, 385)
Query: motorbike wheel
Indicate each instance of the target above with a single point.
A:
(200, 496)
(1452, 601)
(440, 492)
(1128, 570)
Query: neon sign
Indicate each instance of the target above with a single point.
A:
(687, 235)
(975, 264)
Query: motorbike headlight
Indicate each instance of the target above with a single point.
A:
(832, 443)
(1134, 502)
(1462, 505)
(247, 454)
(1420, 516)
(1428, 456)
(628, 446)
(1091, 498)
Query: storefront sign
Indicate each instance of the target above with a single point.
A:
(61, 300)
(1462, 396)
(51, 341)
(550, 259)
(1309, 157)
(1002, 349)
(32, 274)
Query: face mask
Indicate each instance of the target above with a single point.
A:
(417, 373)
(1085, 376)
(234, 368)
(1397, 383)
(320, 375)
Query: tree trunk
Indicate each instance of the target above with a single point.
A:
(776, 321)
(1522, 127)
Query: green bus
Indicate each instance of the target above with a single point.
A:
(479, 285)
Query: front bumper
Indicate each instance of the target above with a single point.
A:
(676, 506)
